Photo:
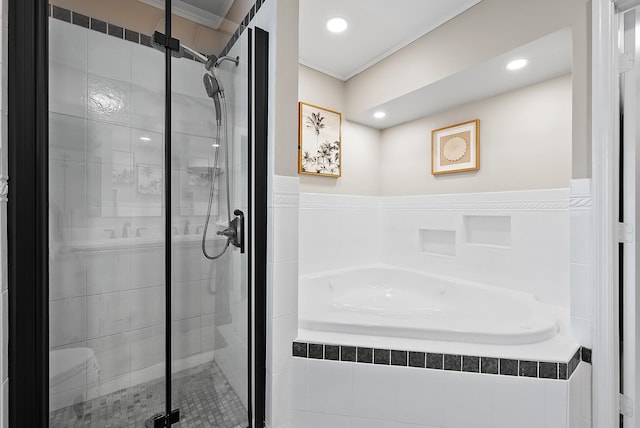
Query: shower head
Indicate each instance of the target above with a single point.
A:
(213, 89)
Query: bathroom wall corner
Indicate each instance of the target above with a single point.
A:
(282, 297)
(581, 265)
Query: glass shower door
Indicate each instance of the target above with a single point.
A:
(128, 346)
(210, 293)
(106, 287)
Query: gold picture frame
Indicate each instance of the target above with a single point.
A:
(456, 148)
(319, 141)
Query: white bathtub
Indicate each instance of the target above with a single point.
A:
(393, 302)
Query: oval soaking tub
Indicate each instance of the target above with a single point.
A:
(389, 301)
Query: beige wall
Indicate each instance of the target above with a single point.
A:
(360, 144)
(525, 143)
(484, 31)
(285, 80)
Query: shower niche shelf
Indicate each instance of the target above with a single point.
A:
(438, 242)
(488, 230)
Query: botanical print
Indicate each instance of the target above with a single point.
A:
(121, 174)
(319, 143)
(149, 179)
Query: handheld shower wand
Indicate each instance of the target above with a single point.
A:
(213, 89)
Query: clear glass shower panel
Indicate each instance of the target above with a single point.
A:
(209, 299)
(107, 290)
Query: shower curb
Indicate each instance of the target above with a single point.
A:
(554, 370)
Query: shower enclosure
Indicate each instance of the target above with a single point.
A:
(155, 296)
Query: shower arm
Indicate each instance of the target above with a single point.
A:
(206, 59)
(197, 55)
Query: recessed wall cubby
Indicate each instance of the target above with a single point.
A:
(488, 230)
(439, 242)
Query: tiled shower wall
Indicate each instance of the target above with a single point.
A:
(106, 124)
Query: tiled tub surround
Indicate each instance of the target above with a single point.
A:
(402, 389)
(514, 240)
(517, 240)
(107, 275)
(559, 370)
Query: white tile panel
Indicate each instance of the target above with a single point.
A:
(330, 385)
(374, 392)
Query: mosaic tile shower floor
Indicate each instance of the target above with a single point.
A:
(203, 395)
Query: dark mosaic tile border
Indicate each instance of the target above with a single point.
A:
(113, 30)
(450, 362)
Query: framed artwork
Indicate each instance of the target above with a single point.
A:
(456, 148)
(149, 179)
(319, 141)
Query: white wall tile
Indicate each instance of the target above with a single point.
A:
(67, 273)
(67, 321)
(300, 384)
(518, 402)
(67, 137)
(185, 300)
(147, 347)
(285, 233)
(103, 139)
(113, 354)
(147, 267)
(108, 56)
(422, 396)
(322, 420)
(474, 394)
(581, 329)
(281, 411)
(147, 307)
(580, 236)
(67, 89)
(330, 387)
(108, 271)
(556, 395)
(285, 289)
(68, 44)
(108, 314)
(147, 108)
(374, 392)
(186, 338)
(108, 99)
(581, 293)
(372, 423)
(147, 68)
(284, 331)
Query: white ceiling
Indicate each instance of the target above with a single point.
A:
(377, 28)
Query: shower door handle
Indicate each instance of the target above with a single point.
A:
(239, 227)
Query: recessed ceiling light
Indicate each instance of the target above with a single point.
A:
(145, 138)
(379, 114)
(336, 25)
(517, 64)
